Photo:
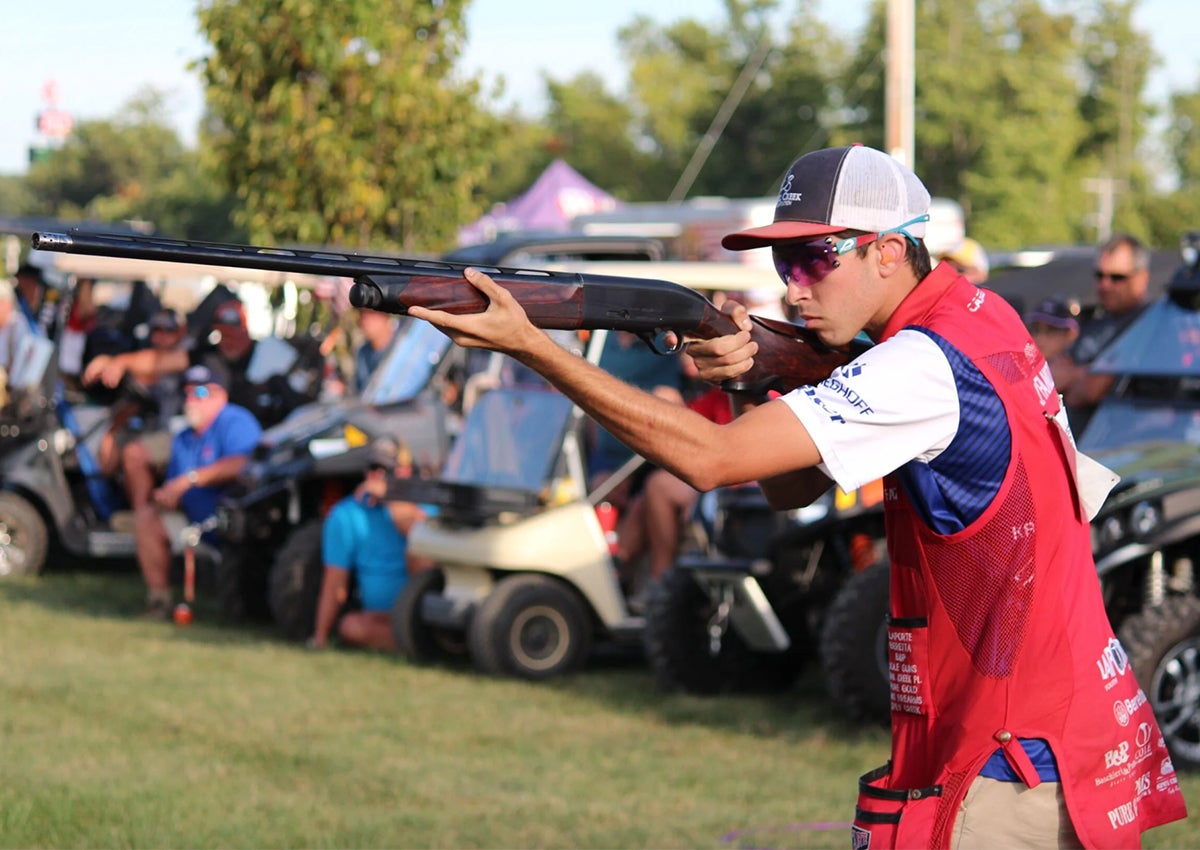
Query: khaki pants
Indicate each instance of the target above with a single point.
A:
(1001, 815)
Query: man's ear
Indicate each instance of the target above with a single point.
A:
(891, 251)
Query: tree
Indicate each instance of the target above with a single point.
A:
(131, 166)
(345, 122)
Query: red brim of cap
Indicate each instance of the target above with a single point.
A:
(779, 231)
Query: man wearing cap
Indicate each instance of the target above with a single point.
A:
(1005, 671)
(366, 536)
(1122, 277)
(1054, 326)
(205, 456)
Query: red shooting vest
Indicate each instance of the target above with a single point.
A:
(998, 632)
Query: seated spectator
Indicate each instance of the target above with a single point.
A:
(205, 456)
(1054, 326)
(653, 522)
(139, 446)
(13, 325)
(31, 298)
(367, 537)
(1122, 276)
(378, 331)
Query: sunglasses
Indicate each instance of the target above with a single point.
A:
(198, 391)
(806, 263)
(1119, 277)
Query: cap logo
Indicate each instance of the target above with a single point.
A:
(786, 196)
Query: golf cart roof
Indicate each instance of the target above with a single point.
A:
(701, 276)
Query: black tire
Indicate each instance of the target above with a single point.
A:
(854, 656)
(1163, 645)
(531, 627)
(24, 538)
(294, 586)
(677, 646)
(415, 640)
(239, 583)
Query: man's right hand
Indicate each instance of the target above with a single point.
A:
(721, 358)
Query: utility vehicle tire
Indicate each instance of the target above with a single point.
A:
(240, 585)
(416, 640)
(24, 538)
(1163, 644)
(677, 646)
(295, 582)
(531, 627)
(854, 656)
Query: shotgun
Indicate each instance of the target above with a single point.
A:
(789, 355)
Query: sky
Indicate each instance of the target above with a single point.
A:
(99, 55)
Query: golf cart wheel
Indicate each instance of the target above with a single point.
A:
(24, 539)
(854, 655)
(294, 586)
(1163, 644)
(531, 627)
(679, 650)
(416, 640)
(239, 585)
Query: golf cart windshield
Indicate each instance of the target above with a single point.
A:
(512, 439)
(408, 365)
(1157, 395)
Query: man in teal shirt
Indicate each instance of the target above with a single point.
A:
(366, 536)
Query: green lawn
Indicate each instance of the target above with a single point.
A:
(120, 733)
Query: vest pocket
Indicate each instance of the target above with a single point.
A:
(887, 817)
(908, 665)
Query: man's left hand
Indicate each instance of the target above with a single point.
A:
(503, 326)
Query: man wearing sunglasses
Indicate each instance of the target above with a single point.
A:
(1010, 693)
(205, 456)
(1122, 276)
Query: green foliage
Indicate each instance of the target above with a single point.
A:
(130, 167)
(344, 123)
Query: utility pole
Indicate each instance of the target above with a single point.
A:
(900, 90)
(1105, 189)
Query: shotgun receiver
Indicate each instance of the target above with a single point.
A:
(788, 356)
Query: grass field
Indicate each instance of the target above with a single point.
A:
(116, 732)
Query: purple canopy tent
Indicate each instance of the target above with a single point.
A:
(556, 197)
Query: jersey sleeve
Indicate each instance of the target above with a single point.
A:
(895, 403)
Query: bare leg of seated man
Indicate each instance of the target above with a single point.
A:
(141, 472)
(368, 629)
(154, 559)
(669, 503)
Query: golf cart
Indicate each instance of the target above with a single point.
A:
(53, 498)
(525, 583)
(746, 611)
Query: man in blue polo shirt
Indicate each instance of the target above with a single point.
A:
(366, 536)
(205, 456)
